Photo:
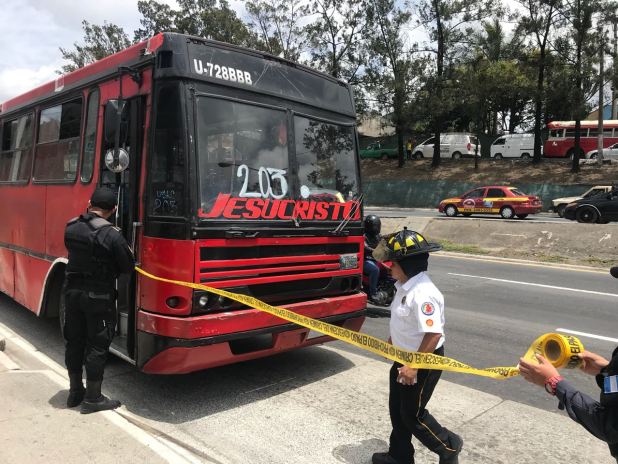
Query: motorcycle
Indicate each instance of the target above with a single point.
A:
(386, 283)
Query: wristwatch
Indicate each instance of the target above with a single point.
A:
(552, 383)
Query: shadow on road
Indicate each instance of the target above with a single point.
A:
(177, 399)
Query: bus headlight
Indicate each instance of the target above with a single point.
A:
(202, 301)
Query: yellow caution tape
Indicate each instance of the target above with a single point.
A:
(560, 350)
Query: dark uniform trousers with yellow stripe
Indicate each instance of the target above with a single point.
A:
(409, 417)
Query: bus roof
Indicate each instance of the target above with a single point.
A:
(584, 123)
(143, 52)
(109, 65)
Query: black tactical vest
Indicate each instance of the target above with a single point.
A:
(90, 259)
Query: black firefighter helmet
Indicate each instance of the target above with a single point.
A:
(408, 243)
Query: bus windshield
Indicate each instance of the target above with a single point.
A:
(243, 154)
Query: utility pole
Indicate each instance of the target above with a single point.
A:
(615, 63)
(601, 93)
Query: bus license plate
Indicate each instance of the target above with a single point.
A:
(349, 261)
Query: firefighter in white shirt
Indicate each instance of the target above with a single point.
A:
(417, 324)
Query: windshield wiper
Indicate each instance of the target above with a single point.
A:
(344, 222)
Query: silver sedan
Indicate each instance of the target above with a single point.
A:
(610, 152)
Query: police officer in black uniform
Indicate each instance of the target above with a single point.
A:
(98, 253)
(600, 418)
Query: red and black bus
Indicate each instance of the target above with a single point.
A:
(561, 138)
(234, 168)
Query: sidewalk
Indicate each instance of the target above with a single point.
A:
(37, 427)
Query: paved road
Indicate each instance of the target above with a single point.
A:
(279, 410)
(426, 212)
(489, 323)
(492, 322)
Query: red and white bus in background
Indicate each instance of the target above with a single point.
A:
(560, 142)
(234, 168)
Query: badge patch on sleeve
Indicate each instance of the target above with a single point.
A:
(427, 309)
(429, 322)
(611, 384)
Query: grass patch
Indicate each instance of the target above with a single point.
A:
(594, 261)
(550, 258)
(462, 248)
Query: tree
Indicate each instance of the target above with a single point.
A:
(449, 24)
(390, 71)
(277, 25)
(337, 37)
(579, 13)
(539, 21)
(156, 17)
(211, 19)
(99, 42)
(504, 77)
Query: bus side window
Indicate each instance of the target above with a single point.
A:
(16, 150)
(58, 143)
(90, 137)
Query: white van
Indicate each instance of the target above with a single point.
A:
(513, 146)
(452, 145)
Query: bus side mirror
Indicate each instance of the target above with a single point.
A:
(115, 123)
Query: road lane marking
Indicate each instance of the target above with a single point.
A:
(585, 334)
(518, 262)
(532, 284)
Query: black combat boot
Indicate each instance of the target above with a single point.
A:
(383, 458)
(94, 400)
(453, 457)
(76, 389)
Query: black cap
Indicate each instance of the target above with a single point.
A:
(104, 198)
(614, 271)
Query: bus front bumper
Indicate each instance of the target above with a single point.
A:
(173, 345)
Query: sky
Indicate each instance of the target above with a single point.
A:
(33, 30)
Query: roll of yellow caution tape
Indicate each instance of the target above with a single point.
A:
(560, 350)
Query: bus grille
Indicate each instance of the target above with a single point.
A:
(280, 270)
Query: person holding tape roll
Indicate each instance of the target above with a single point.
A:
(600, 418)
(417, 324)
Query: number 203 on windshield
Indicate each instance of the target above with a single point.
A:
(222, 72)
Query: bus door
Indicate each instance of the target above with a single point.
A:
(126, 183)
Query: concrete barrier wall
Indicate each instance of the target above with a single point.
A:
(429, 193)
(580, 242)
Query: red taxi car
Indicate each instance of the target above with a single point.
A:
(505, 201)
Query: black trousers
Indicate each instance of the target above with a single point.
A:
(409, 416)
(89, 327)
